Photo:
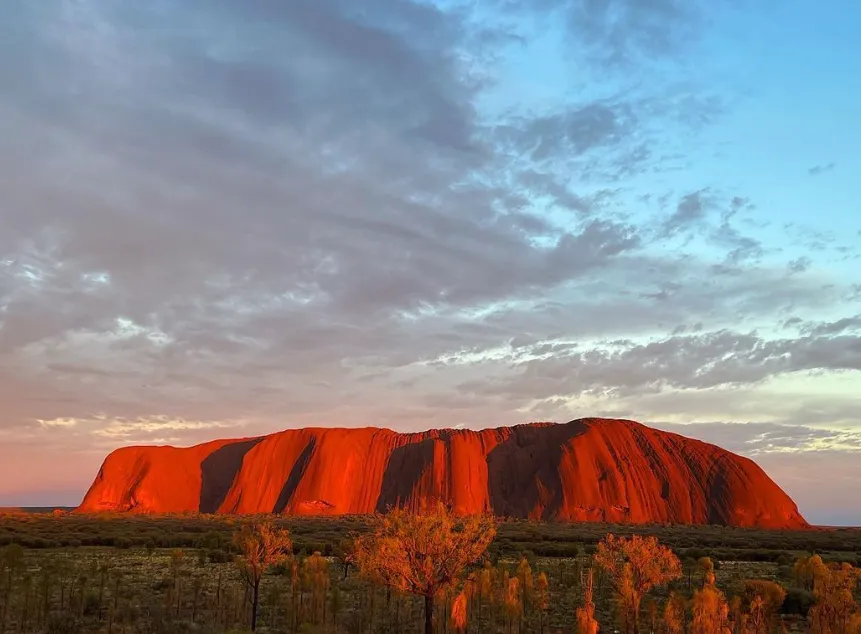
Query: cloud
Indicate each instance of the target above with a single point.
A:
(758, 438)
(621, 33)
(799, 265)
(816, 170)
(225, 219)
(697, 361)
(691, 210)
(833, 328)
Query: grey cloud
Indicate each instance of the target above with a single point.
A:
(833, 327)
(800, 265)
(755, 438)
(816, 170)
(299, 215)
(741, 247)
(547, 184)
(697, 214)
(708, 360)
(579, 130)
(690, 212)
(620, 33)
(248, 211)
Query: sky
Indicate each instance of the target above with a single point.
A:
(224, 219)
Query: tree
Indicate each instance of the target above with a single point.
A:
(635, 565)
(484, 591)
(11, 560)
(763, 599)
(586, 622)
(261, 545)
(710, 611)
(315, 579)
(422, 552)
(524, 577)
(542, 598)
(176, 558)
(459, 612)
(803, 571)
(513, 602)
(674, 614)
(833, 587)
(708, 571)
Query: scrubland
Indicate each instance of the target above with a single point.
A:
(107, 573)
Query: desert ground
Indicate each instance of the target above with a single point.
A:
(64, 572)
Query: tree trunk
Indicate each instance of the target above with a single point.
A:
(6, 600)
(429, 614)
(255, 599)
(101, 595)
(23, 624)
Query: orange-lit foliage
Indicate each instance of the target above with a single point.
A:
(484, 588)
(459, 612)
(709, 611)
(542, 598)
(422, 553)
(315, 581)
(586, 622)
(635, 565)
(763, 599)
(261, 545)
(524, 577)
(836, 611)
(803, 571)
(512, 601)
(674, 614)
(708, 569)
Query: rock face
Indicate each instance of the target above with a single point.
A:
(585, 470)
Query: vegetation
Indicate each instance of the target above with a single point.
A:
(407, 572)
(557, 540)
(635, 565)
(423, 554)
(261, 546)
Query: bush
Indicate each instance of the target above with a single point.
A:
(57, 623)
(162, 584)
(797, 601)
(91, 604)
(218, 556)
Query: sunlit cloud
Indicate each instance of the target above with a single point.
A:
(224, 219)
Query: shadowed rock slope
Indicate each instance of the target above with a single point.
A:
(585, 470)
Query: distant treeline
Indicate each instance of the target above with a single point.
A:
(545, 539)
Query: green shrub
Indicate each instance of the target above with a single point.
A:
(91, 604)
(218, 556)
(797, 601)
